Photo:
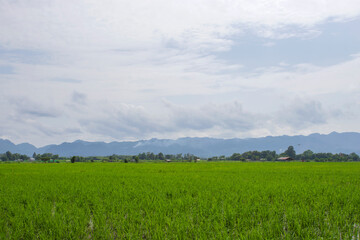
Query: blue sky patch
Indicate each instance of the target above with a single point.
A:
(335, 43)
(6, 69)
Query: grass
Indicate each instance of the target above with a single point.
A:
(226, 200)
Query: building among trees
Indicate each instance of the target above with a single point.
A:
(285, 159)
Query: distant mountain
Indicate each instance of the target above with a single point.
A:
(23, 148)
(204, 147)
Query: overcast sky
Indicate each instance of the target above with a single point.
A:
(115, 70)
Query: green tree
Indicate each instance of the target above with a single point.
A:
(290, 152)
(9, 156)
(354, 157)
(4, 158)
(161, 156)
(236, 157)
(73, 159)
(45, 159)
(142, 156)
(307, 155)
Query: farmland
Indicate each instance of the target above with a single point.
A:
(220, 200)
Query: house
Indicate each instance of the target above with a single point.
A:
(284, 159)
(167, 160)
(31, 159)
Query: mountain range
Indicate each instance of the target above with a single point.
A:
(334, 142)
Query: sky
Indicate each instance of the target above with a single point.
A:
(120, 70)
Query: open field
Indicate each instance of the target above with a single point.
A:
(223, 200)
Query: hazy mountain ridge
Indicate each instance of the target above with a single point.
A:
(204, 147)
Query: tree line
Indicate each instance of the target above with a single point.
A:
(307, 155)
(148, 156)
(8, 156)
(45, 157)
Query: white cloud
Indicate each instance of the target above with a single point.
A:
(301, 101)
(135, 25)
(102, 70)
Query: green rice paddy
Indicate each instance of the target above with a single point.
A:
(222, 200)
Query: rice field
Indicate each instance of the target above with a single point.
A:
(220, 200)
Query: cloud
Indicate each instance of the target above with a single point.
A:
(218, 119)
(226, 116)
(123, 120)
(301, 101)
(78, 98)
(288, 31)
(269, 44)
(200, 24)
(107, 70)
(25, 107)
(130, 120)
(301, 114)
(66, 80)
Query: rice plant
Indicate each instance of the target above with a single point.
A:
(224, 200)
